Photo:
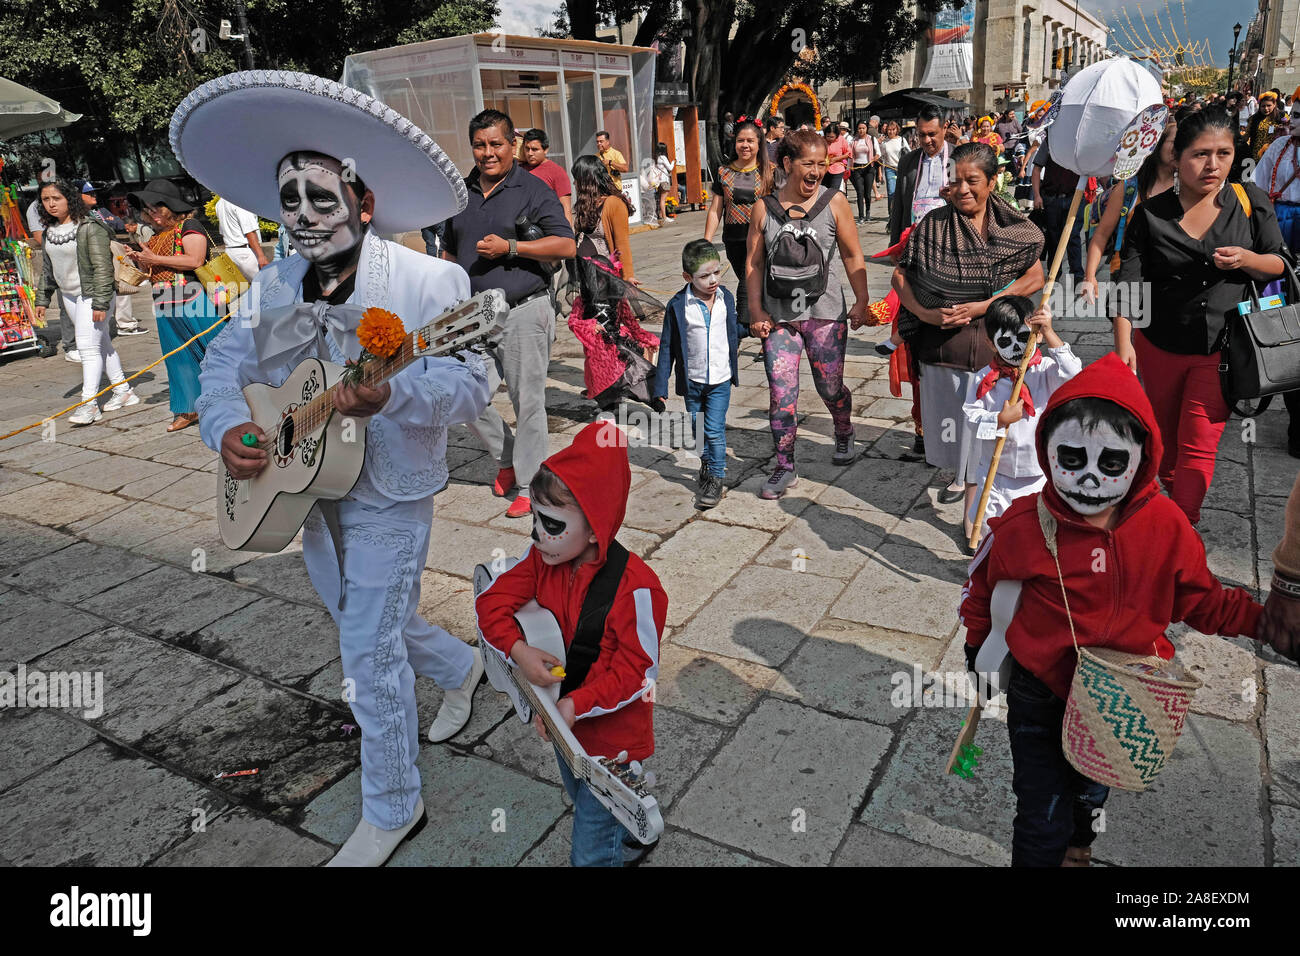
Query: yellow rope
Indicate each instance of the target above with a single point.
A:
(116, 384)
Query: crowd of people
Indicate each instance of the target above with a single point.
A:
(1088, 448)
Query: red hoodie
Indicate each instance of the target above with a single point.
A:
(1125, 586)
(614, 705)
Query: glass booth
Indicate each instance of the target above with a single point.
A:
(569, 88)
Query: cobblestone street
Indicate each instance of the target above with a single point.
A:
(777, 743)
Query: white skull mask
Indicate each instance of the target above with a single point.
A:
(318, 209)
(1092, 468)
(1011, 347)
(560, 532)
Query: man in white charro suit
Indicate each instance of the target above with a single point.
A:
(334, 166)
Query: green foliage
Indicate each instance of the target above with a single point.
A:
(126, 64)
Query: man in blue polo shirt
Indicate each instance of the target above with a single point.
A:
(484, 240)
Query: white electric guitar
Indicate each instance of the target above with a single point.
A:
(623, 792)
(315, 453)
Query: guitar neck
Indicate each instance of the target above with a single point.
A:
(550, 717)
(373, 374)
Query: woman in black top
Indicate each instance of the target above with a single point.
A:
(1197, 251)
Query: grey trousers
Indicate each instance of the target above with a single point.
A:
(522, 358)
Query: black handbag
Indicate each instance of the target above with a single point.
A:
(1260, 353)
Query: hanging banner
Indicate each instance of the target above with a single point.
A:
(951, 64)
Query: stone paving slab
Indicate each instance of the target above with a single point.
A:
(44, 821)
(23, 541)
(905, 589)
(285, 642)
(139, 522)
(1230, 687)
(1211, 785)
(748, 797)
(32, 739)
(761, 615)
(64, 575)
(296, 743)
(1286, 836)
(239, 838)
(58, 504)
(869, 847)
(1282, 724)
(13, 480)
(111, 473)
(854, 673)
(169, 602)
(30, 625)
(712, 686)
(147, 685)
(694, 563)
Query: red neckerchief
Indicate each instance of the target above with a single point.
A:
(997, 370)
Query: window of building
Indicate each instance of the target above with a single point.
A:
(1024, 47)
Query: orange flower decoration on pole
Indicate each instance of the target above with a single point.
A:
(380, 332)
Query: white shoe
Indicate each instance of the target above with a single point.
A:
(116, 401)
(131, 330)
(371, 846)
(457, 704)
(86, 414)
(72, 355)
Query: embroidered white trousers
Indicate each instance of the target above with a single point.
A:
(383, 641)
(1005, 490)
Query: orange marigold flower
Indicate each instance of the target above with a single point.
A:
(421, 341)
(381, 332)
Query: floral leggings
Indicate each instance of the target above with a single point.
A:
(825, 340)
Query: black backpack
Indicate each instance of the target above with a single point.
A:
(795, 263)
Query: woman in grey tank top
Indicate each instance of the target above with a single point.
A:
(790, 326)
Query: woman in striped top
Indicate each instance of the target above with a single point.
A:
(739, 185)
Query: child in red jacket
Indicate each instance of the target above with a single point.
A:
(578, 500)
(1131, 563)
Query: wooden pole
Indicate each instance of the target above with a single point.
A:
(1061, 245)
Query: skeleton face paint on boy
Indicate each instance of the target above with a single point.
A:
(560, 532)
(318, 208)
(707, 278)
(1011, 348)
(1092, 468)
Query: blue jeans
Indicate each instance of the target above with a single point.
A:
(1055, 804)
(713, 401)
(891, 179)
(597, 836)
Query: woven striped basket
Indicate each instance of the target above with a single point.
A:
(1124, 715)
(1125, 711)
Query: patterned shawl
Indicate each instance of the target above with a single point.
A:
(947, 262)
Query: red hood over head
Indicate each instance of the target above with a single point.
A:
(596, 470)
(1111, 379)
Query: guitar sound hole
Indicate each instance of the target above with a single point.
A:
(286, 436)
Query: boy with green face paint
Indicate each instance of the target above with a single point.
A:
(700, 340)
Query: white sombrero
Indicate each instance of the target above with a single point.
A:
(231, 133)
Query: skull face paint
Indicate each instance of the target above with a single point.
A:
(707, 278)
(1092, 468)
(560, 533)
(318, 208)
(1011, 347)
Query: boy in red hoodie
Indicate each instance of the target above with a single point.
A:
(1131, 564)
(578, 500)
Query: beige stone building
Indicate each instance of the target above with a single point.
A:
(1021, 48)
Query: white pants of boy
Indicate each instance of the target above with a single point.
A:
(383, 641)
(1004, 491)
(94, 345)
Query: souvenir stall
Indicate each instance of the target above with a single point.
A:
(569, 88)
(18, 265)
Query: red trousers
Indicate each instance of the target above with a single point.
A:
(1192, 413)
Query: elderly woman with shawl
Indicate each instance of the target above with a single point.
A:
(958, 259)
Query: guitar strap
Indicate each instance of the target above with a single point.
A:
(585, 648)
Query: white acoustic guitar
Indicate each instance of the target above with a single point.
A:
(623, 792)
(315, 453)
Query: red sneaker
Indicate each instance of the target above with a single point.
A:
(505, 482)
(520, 507)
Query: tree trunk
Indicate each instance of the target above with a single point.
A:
(710, 22)
(582, 19)
(656, 18)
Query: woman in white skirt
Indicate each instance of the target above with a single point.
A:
(78, 267)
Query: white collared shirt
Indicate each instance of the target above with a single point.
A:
(708, 353)
(1281, 154)
(931, 177)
